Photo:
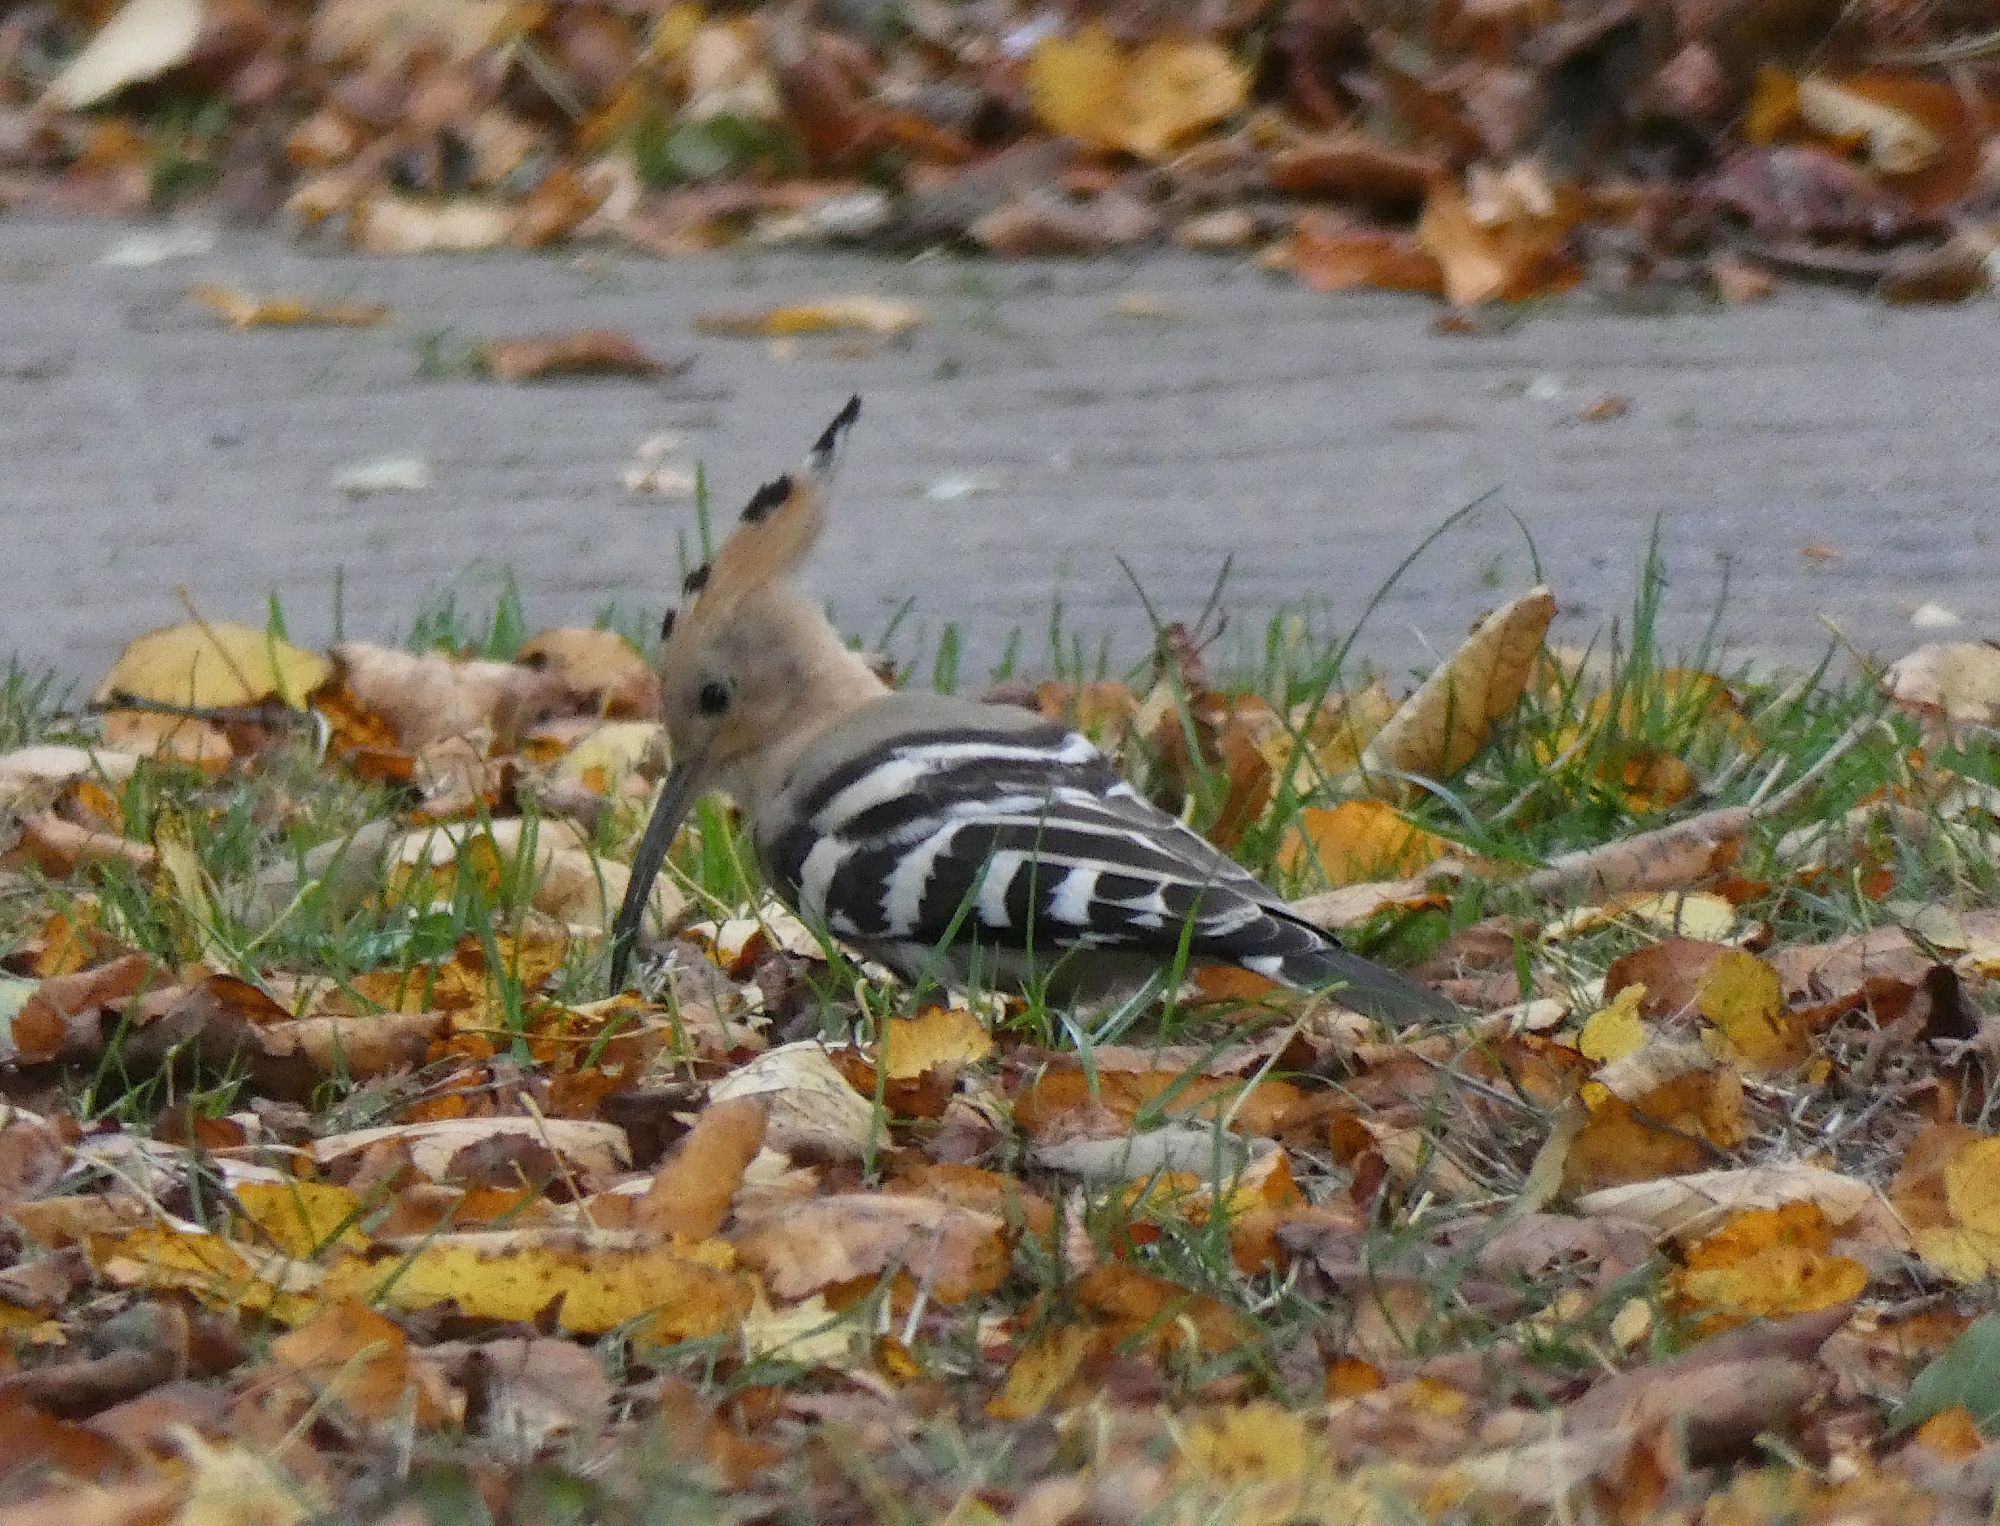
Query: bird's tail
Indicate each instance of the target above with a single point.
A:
(1369, 988)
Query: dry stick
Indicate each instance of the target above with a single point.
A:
(1668, 857)
(202, 625)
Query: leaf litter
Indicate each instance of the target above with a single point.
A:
(330, 1176)
(1476, 151)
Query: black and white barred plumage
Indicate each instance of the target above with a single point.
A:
(946, 838)
(924, 821)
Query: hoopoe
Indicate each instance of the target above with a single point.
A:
(946, 837)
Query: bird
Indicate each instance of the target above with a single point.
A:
(949, 838)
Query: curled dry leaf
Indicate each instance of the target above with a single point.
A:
(1505, 241)
(585, 352)
(1442, 726)
(1674, 1206)
(810, 1108)
(955, 1253)
(362, 1364)
(1332, 254)
(212, 665)
(583, 1145)
(690, 1193)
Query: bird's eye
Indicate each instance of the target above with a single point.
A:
(713, 698)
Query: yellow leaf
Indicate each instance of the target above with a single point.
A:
(1744, 1000)
(1444, 724)
(1768, 1262)
(1041, 1370)
(860, 314)
(1612, 1032)
(213, 664)
(143, 41)
(302, 1218)
(243, 310)
(1144, 101)
(1253, 1444)
(604, 1278)
(1358, 841)
(221, 1275)
(936, 1036)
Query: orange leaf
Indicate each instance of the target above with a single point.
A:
(353, 1354)
(1358, 840)
(691, 1193)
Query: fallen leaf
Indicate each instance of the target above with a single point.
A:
(1895, 141)
(1358, 840)
(594, 1281)
(1766, 1263)
(1042, 1370)
(1509, 246)
(690, 1194)
(1956, 681)
(142, 41)
(245, 310)
(386, 474)
(362, 1362)
(810, 1108)
(828, 315)
(583, 1145)
(212, 665)
(938, 1036)
(585, 352)
(1144, 101)
(1330, 254)
(955, 1253)
(1441, 727)
(427, 698)
(387, 223)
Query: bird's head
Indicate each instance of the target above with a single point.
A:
(750, 669)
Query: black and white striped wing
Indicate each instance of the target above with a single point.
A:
(1024, 839)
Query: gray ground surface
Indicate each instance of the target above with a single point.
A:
(1316, 439)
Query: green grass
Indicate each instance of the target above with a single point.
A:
(1551, 780)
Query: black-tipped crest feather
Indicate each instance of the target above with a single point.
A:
(696, 580)
(767, 498)
(828, 443)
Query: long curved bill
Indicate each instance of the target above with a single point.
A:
(672, 809)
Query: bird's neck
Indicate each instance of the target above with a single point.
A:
(832, 682)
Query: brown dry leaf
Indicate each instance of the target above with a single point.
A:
(586, 1146)
(244, 310)
(584, 352)
(1671, 1129)
(1767, 1263)
(955, 1253)
(811, 1110)
(1678, 1205)
(61, 1019)
(183, 739)
(429, 698)
(212, 664)
(1358, 840)
(1353, 166)
(826, 315)
(564, 881)
(1144, 101)
(1961, 1235)
(1159, 1315)
(1957, 681)
(1665, 858)
(1442, 726)
(690, 1194)
(602, 672)
(594, 1280)
(1330, 254)
(355, 1358)
(1505, 242)
(142, 41)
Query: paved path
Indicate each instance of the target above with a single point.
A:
(1316, 439)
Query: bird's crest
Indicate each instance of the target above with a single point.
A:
(772, 535)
